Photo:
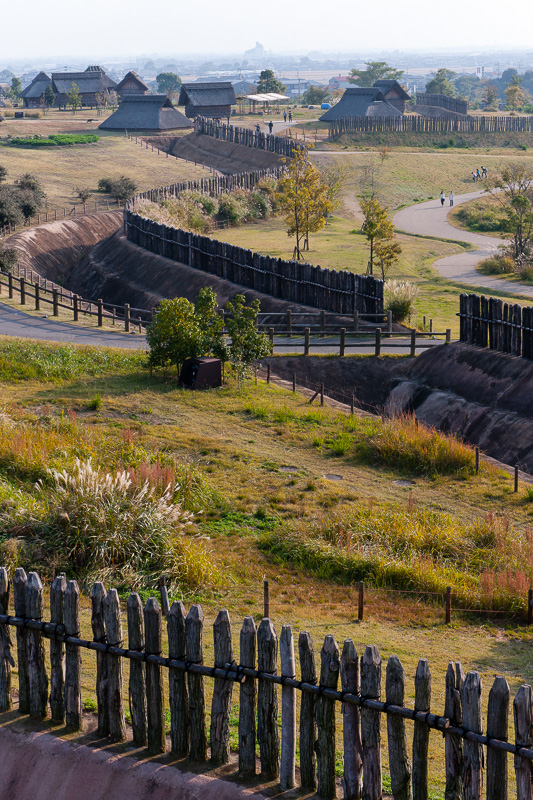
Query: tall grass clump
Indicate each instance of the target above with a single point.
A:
(399, 298)
(403, 444)
(102, 526)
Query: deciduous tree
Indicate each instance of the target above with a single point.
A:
(315, 95)
(375, 70)
(168, 82)
(16, 88)
(377, 227)
(513, 189)
(442, 83)
(490, 94)
(268, 83)
(248, 344)
(74, 98)
(515, 95)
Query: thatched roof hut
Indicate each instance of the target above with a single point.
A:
(393, 93)
(31, 95)
(361, 102)
(207, 99)
(132, 84)
(90, 83)
(151, 112)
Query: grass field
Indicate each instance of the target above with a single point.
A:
(257, 462)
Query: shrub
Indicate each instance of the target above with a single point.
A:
(54, 140)
(399, 298)
(120, 188)
(82, 192)
(479, 216)
(9, 257)
(497, 265)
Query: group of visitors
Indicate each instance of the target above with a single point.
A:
(289, 116)
(478, 174)
(443, 198)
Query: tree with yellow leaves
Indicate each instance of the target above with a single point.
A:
(379, 231)
(304, 197)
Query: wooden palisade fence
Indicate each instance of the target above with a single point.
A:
(489, 322)
(281, 145)
(417, 124)
(328, 681)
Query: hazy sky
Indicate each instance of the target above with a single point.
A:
(103, 28)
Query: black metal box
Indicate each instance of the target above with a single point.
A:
(201, 373)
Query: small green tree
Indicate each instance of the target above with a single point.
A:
(442, 83)
(74, 98)
(315, 95)
(248, 344)
(9, 257)
(168, 82)
(377, 225)
(211, 324)
(82, 193)
(375, 71)
(490, 94)
(513, 190)
(47, 99)
(515, 95)
(268, 83)
(16, 88)
(174, 333)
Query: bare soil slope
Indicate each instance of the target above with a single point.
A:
(226, 157)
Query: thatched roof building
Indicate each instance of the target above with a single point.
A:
(31, 95)
(207, 99)
(361, 102)
(131, 84)
(90, 83)
(151, 112)
(393, 93)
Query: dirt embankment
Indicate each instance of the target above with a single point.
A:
(227, 157)
(480, 395)
(54, 249)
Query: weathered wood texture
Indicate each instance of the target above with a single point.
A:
(523, 720)
(325, 720)
(57, 650)
(115, 675)
(72, 657)
(267, 701)
(19, 590)
(37, 677)
(472, 751)
(222, 690)
(247, 699)
(195, 652)
(177, 682)
(399, 764)
(137, 682)
(421, 731)
(453, 745)
(154, 679)
(497, 728)
(308, 674)
(371, 724)
(98, 595)
(6, 659)
(287, 768)
(439, 124)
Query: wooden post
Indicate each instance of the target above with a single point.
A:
(522, 726)
(453, 745)
(370, 724)
(37, 296)
(307, 712)
(267, 702)
(413, 343)
(325, 720)
(163, 591)
(377, 351)
(352, 406)
(195, 653)
(266, 599)
(113, 624)
(10, 286)
(497, 725)
(472, 751)
(321, 394)
(361, 601)
(100, 309)
(421, 731)
(307, 341)
(22, 292)
(222, 691)
(177, 682)
(268, 373)
(75, 302)
(72, 657)
(448, 605)
(288, 711)
(127, 317)
(19, 591)
(448, 335)
(37, 677)
(137, 682)
(55, 303)
(57, 650)
(399, 766)
(389, 321)
(351, 719)
(154, 684)
(294, 383)
(98, 595)
(322, 323)
(356, 320)
(516, 478)
(6, 659)
(247, 700)
(342, 346)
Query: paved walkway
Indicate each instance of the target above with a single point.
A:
(431, 219)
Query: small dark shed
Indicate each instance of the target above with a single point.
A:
(207, 99)
(361, 102)
(393, 92)
(31, 95)
(150, 112)
(132, 84)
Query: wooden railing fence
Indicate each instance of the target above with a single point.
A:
(442, 101)
(417, 124)
(489, 322)
(325, 682)
(260, 140)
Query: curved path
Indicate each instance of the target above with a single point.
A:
(431, 219)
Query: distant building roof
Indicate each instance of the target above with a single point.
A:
(37, 86)
(220, 93)
(361, 102)
(151, 112)
(269, 97)
(92, 81)
(386, 85)
(132, 76)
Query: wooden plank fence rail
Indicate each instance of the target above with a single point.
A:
(281, 145)
(489, 322)
(418, 124)
(343, 680)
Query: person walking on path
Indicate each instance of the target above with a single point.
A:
(451, 199)
(474, 177)
(442, 197)
(484, 172)
(284, 116)
(270, 126)
(478, 174)
(290, 115)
